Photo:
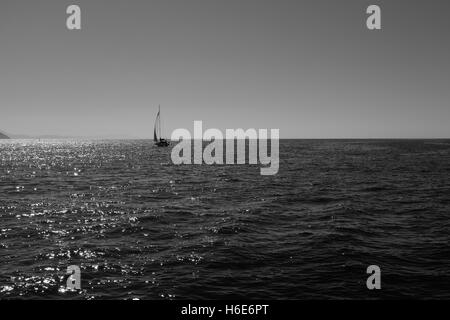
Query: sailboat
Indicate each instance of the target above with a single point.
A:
(160, 142)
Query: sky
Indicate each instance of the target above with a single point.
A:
(309, 68)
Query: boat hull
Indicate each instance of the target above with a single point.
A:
(162, 143)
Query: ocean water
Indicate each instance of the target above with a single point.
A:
(140, 227)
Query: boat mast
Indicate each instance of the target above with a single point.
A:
(159, 112)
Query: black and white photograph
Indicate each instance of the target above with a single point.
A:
(218, 150)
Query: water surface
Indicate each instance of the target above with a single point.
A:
(141, 227)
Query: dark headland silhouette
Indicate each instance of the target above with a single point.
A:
(3, 136)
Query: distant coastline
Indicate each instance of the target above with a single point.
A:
(3, 136)
(62, 137)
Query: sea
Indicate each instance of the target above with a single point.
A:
(140, 227)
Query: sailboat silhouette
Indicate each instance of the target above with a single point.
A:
(160, 142)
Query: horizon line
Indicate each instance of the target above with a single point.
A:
(297, 138)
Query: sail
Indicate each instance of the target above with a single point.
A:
(157, 127)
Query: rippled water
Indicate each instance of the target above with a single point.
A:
(140, 227)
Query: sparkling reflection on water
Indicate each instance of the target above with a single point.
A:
(140, 227)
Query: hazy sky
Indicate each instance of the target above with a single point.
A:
(310, 68)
